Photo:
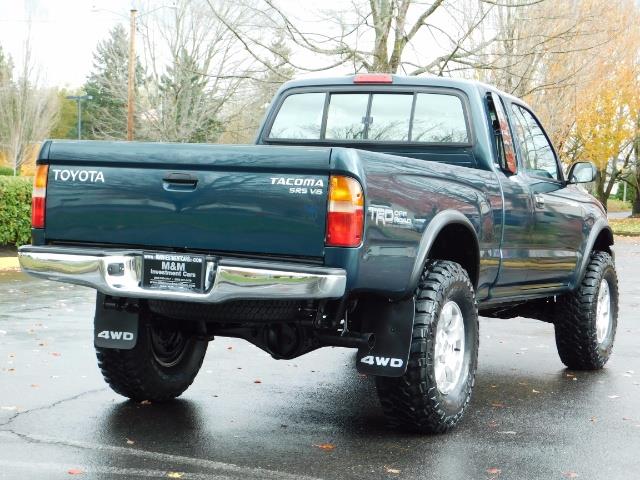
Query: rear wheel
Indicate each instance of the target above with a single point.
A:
(587, 318)
(161, 366)
(434, 391)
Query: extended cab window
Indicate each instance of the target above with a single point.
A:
(371, 116)
(537, 155)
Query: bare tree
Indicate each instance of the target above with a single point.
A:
(27, 111)
(184, 100)
(397, 36)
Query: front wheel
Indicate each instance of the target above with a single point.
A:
(434, 391)
(587, 318)
(161, 366)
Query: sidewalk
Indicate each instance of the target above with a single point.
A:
(8, 259)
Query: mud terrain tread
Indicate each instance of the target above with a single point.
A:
(411, 401)
(134, 374)
(574, 320)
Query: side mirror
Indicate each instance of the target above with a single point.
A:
(582, 172)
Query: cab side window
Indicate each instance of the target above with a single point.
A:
(538, 158)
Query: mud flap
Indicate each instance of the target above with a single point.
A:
(392, 323)
(114, 327)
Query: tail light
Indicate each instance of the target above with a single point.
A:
(345, 217)
(373, 78)
(39, 195)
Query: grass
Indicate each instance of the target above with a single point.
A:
(626, 226)
(615, 205)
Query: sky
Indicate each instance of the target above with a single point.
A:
(64, 33)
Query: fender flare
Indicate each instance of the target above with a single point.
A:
(436, 225)
(599, 226)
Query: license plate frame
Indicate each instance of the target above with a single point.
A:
(182, 272)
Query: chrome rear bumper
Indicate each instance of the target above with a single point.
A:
(226, 279)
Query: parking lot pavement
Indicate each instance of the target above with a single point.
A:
(313, 417)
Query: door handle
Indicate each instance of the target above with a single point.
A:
(180, 178)
(539, 200)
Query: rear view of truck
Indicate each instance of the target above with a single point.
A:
(336, 229)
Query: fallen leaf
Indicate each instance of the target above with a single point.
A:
(508, 432)
(391, 470)
(497, 405)
(570, 375)
(257, 381)
(627, 418)
(326, 446)
(8, 408)
(35, 385)
(55, 354)
(534, 390)
(174, 475)
(614, 396)
(493, 471)
(229, 347)
(145, 402)
(492, 424)
(594, 419)
(130, 442)
(569, 474)
(75, 471)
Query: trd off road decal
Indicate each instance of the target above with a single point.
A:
(383, 215)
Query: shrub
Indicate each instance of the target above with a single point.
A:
(6, 171)
(15, 210)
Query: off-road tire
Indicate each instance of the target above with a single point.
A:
(137, 373)
(413, 401)
(235, 311)
(575, 317)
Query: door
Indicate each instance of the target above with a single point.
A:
(557, 228)
(518, 211)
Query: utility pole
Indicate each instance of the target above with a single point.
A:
(132, 76)
(79, 99)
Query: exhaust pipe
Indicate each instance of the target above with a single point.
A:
(350, 340)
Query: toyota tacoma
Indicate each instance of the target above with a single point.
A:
(375, 212)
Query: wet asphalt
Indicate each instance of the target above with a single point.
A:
(313, 417)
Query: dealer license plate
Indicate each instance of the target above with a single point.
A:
(168, 271)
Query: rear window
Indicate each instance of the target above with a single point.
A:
(299, 117)
(384, 117)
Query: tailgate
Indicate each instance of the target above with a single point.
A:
(247, 199)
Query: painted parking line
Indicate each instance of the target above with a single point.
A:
(217, 469)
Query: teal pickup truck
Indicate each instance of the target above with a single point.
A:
(375, 212)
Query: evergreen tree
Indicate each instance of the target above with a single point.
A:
(188, 106)
(105, 116)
